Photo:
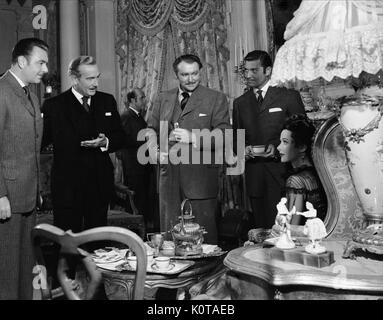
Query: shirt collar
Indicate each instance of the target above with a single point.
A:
(180, 92)
(22, 84)
(79, 96)
(135, 111)
(264, 88)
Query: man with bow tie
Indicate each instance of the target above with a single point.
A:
(262, 111)
(84, 126)
(190, 106)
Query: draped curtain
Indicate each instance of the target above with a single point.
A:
(151, 33)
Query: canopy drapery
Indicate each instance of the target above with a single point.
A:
(331, 39)
(150, 16)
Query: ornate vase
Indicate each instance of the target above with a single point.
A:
(362, 123)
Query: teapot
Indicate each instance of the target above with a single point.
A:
(187, 234)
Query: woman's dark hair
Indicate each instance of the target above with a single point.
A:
(302, 131)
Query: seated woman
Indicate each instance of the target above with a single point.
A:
(303, 183)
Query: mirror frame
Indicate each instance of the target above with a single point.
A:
(327, 130)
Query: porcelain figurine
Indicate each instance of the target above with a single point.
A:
(283, 219)
(314, 229)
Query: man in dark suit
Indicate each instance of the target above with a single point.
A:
(261, 111)
(136, 175)
(190, 106)
(21, 127)
(84, 126)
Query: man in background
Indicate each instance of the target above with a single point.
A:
(138, 176)
(262, 111)
(21, 128)
(187, 107)
(84, 126)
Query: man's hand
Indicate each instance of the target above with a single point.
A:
(99, 142)
(5, 208)
(183, 136)
(249, 153)
(270, 151)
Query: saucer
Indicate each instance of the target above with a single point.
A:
(155, 268)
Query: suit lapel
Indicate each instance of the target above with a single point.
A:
(270, 97)
(170, 102)
(194, 101)
(75, 108)
(251, 103)
(18, 90)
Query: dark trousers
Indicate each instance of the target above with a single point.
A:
(16, 257)
(171, 196)
(139, 183)
(77, 219)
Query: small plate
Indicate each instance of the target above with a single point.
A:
(106, 259)
(155, 268)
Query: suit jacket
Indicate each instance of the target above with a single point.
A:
(206, 109)
(20, 138)
(63, 128)
(263, 125)
(132, 125)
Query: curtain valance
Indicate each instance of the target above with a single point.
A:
(150, 16)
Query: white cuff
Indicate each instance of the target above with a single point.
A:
(104, 149)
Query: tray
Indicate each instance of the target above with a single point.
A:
(108, 255)
(178, 266)
(217, 253)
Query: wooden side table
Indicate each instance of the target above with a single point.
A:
(254, 275)
(119, 285)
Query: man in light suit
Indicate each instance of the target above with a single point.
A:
(262, 111)
(20, 137)
(190, 106)
(84, 126)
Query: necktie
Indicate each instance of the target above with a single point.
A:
(259, 97)
(85, 103)
(28, 94)
(184, 100)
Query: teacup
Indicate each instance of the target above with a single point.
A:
(132, 260)
(162, 263)
(258, 149)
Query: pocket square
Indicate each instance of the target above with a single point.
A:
(275, 110)
(202, 115)
(108, 114)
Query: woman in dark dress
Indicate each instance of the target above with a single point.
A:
(303, 183)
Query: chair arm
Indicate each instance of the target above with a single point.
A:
(130, 193)
(124, 189)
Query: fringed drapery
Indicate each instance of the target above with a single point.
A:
(190, 15)
(150, 16)
(146, 30)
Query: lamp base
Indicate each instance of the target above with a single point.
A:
(369, 239)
